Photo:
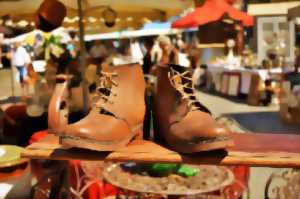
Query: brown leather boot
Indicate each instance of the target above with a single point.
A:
(117, 114)
(182, 121)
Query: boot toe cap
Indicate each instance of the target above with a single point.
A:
(198, 124)
(106, 129)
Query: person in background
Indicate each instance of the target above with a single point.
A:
(180, 43)
(297, 60)
(156, 52)
(98, 52)
(199, 76)
(122, 56)
(148, 64)
(21, 59)
(6, 55)
(165, 53)
(38, 49)
(147, 60)
(136, 51)
(73, 45)
(194, 53)
(111, 48)
(169, 52)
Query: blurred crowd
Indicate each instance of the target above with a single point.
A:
(35, 66)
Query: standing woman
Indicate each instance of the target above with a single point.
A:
(169, 52)
(166, 54)
(20, 60)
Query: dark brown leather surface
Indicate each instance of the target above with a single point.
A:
(163, 100)
(177, 123)
(197, 123)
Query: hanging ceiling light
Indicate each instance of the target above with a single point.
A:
(22, 23)
(109, 16)
(6, 20)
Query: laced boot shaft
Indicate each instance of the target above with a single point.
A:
(117, 111)
(183, 84)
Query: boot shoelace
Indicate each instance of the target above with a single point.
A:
(176, 81)
(106, 82)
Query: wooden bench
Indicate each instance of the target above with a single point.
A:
(270, 150)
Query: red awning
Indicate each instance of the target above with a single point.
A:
(212, 10)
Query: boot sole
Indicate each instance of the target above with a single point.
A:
(86, 143)
(193, 148)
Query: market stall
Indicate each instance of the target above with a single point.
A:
(217, 21)
(112, 132)
(253, 83)
(273, 29)
(49, 148)
(289, 99)
(241, 84)
(126, 14)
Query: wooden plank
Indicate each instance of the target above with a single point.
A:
(272, 150)
(139, 150)
(49, 148)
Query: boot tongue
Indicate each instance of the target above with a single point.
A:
(178, 68)
(184, 81)
(188, 82)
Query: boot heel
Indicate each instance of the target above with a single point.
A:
(139, 133)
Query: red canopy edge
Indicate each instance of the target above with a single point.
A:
(212, 10)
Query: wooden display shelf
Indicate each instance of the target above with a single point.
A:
(271, 150)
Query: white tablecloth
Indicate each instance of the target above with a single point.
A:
(216, 72)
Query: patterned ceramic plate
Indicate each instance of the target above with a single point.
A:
(208, 179)
(9, 154)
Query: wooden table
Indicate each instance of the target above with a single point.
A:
(245, 78)
(270, 150)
